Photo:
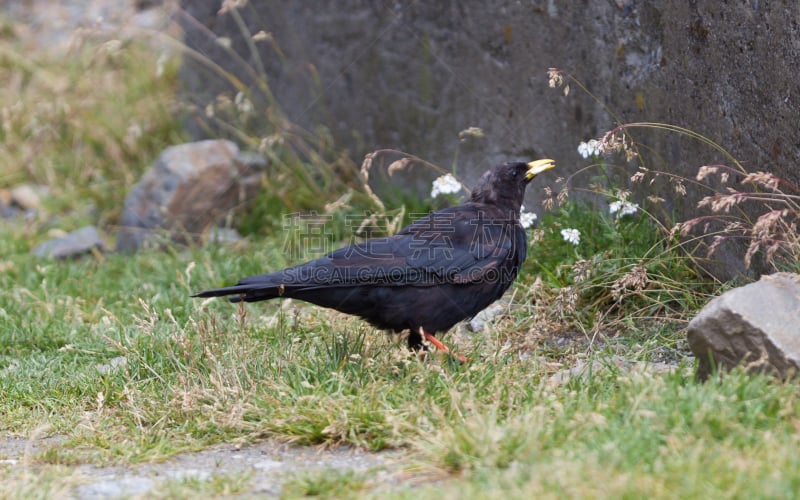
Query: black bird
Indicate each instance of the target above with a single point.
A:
(441, 269)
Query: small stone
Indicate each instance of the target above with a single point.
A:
(481, 320)
(77, 242)
(756, 326)
(26, 197)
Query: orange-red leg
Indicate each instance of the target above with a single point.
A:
(438, 344)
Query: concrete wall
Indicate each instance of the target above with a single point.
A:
(411, 75)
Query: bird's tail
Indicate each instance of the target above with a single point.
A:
(245, 292)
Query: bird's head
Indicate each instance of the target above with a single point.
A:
(504, 185)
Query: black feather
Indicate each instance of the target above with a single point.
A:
(443, 268)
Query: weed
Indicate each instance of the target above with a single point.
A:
(85, 125)
(325, 484)
(762, 211)
(218, 485)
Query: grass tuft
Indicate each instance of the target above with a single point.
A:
(582, 386)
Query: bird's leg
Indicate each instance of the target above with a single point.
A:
(414, 341)
(438, 344)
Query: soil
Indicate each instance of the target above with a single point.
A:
(268, 466)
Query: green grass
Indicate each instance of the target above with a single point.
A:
(610, 252)
(511, 422)
(326, 484)
(217, 486)
(203, 372)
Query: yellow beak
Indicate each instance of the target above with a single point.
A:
(537, 167)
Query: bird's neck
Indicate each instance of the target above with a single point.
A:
(502, 212)
(506, 204)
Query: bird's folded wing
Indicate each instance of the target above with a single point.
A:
(451, 246)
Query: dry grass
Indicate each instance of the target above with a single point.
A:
(84, 124)
(112, 354)
(757, 211)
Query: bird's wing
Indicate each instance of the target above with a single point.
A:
(463, 244)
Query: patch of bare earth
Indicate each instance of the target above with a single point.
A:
(266, 467)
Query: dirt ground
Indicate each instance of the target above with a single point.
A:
(267, 465)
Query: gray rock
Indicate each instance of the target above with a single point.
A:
(481, 321)
(187, 191)
(78, 242)
(757, 326)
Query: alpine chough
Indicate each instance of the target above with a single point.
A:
(441, 269)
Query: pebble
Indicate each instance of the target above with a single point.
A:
(77, 242)
(26, 197)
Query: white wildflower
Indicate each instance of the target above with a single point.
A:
(446, 184)
(592, 147)
(473, 133)
(571, 235)
(243, 104)
(623, 208)
(556, 79)
(526, 219)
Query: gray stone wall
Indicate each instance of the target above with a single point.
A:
(411, 75)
